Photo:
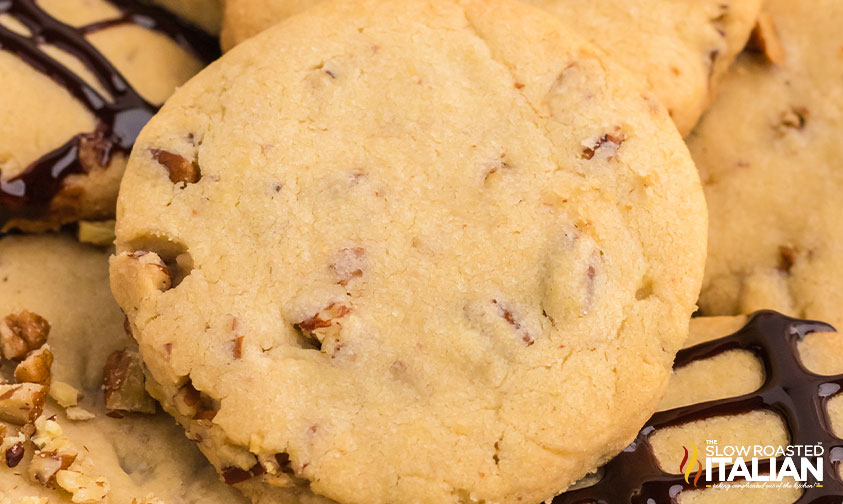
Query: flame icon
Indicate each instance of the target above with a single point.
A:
(686, 466)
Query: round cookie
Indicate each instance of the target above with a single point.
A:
(720, 393)
(143, 457)
(80, 78)
(769, 155)
(397, 251)
(680, 48)
(206, 14)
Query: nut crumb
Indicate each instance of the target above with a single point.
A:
(77, 414)
(64, 394)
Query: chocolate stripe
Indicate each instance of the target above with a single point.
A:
(30, 194)
(790, 390)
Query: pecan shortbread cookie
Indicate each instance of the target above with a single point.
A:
(680, 48)
(83, 444)
(769, 154)
(204, 13)
(403, 251)
(80, 78)
(749, 385)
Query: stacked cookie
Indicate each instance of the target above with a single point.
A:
(405, 251)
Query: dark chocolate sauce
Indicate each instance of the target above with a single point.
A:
(119, 121)
(789, 390)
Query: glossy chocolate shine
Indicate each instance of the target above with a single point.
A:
(789, 390)
(29, 194)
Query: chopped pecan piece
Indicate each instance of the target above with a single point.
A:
(194, 404)
(36, 367)
(100, 233)
(234, 475)
(787, 258)
(14, 455)
(21, 403)
(180, 169)
(280, 472)
(45, 465)
(94, 151)
(349, 264)
(21, 333)
(237, 347)
(608, 144)
(523, 334)
(150, 268)
(323, 330)
(123, 383)
(324, 318)
(83, 488)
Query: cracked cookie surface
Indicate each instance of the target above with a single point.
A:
(680, 48)
(769, 155)
(397, 251)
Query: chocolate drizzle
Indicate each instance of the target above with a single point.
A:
(29, 194)
(789, 390)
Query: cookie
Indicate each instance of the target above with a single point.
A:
(100, 68)
(397, 251)
(766, 380)
(681, 49)
(142, 457)
(768, 153)
(206, 14)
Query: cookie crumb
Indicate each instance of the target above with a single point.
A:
(100, 233)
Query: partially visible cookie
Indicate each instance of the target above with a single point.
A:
(769, 154)
(80, 78)
(397, 251)
(742, 382)
(681, 48)
(136, 456)
(207, 14)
